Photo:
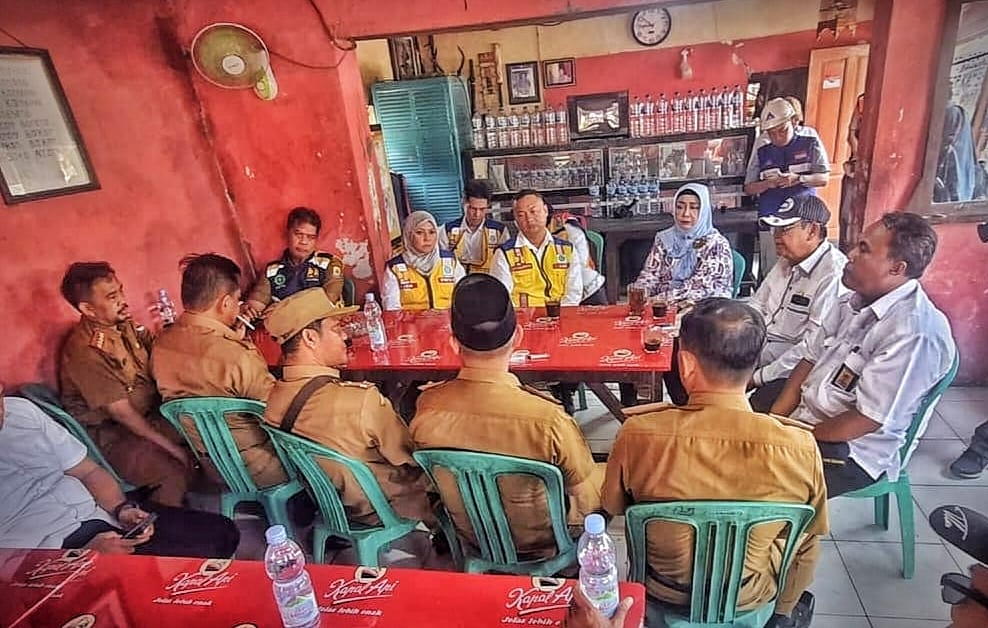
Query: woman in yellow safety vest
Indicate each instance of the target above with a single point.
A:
(423, 276)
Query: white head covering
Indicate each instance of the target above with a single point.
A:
(422, 262)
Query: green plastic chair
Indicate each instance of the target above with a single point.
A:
(349, 291)
(721, 533)
(740, 265)
(597, 240)
(883, 488)
(46, 399)
(303, 455)
(209, 417)
(476, 476)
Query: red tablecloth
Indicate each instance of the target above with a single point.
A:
(125, 591)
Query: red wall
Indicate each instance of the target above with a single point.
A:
(656, 71)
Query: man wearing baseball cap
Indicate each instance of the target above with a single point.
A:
(352, 418)
(797, 293)
(791, 165)
(486, 409)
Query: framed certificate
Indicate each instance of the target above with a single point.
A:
(41, 151)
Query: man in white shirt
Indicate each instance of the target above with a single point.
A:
(797, 293)
(534, 263)
(474, 238)
(864, 372)
(54, 496)
(566, 226)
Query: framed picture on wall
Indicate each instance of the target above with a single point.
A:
(406, 62)
(523, 82)
(41, 151)
(559, 72)
(598, 115)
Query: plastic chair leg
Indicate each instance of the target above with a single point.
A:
(882, 511)
(369, 552)
(319, 538)
(581, 394)
(228, 504)
(907, 527)
(276, 510)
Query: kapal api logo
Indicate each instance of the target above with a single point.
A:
(545, 594)
(368, 583)
(212, 575)
(69, 562)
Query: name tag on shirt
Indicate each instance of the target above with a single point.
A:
(407, 285)
(847, 376)
(561, 265)
(521, 266)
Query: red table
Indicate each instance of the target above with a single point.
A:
(591, 344)
(123, 591)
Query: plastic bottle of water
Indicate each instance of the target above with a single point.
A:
(598, 571)
(166, 308)
(375, 324)
(285, 564)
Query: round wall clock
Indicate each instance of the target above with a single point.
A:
(651, 27)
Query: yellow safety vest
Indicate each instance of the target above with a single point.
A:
(558, 229)
(418, 292)
(543, 279)
(457, 243)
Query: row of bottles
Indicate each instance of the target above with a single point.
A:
(574, 174)
(511, 129)
(693, 112)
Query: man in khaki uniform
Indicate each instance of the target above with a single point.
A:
(352, 418)
(713, 448)
(486, 409)
(106, 385)
(203, 355)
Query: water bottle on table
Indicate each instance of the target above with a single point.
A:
(285, 564)
(598, 568)
(375, 324)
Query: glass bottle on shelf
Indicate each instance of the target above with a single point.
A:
(701, 108)
(725, 109)
(635, 115)
(648, 120)
(661, 115)
(479, 138)
(538, 132)
(525, 121)
(716, 104)
(514, 129)
(677, 113)
(562, 128)
(737, 113)
(692, 111)
(503, 136)
(549, 121)
(490, 131)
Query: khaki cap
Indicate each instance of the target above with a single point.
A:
(290, 316)
(777, 111)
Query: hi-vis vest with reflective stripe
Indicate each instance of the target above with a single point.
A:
(418, 292)
(492, 236)
(543, 279)
(558, 229)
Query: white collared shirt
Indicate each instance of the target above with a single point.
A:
(793, 300)
(574, 274)
(41, 503)
(592, 280)
(880, 360)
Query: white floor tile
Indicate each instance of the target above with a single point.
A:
(939, 429)
(839, 621)
(853, 519)
(887, 622)
(832, 587)
(929, 463)
(963, 415)
(928, 498)
(876, 571)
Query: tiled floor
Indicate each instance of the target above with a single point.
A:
(859, 580)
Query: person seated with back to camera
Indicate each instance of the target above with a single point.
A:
(423, 276)
(689, 261)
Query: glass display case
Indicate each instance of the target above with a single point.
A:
(544, 171)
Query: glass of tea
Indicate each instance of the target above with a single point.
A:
(654, 336)
(636, 300)
(660, 307)
(552, 309)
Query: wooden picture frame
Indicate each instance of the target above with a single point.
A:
(406, 61)
(523, 82)
(559, 72)
(598, 115)
(41, 151)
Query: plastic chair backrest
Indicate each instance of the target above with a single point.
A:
(722, 529)
(476, 476)
(597, 240)
(302, 455)
(922, 417)
(740, 265)
(208, 415)
(349, 291)
(46, 399)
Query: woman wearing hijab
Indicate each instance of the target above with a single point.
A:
(423, 276)
(690, 260)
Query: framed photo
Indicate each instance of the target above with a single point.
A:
(559, 72)
(523, 82)
(598, 115)
(406, 62)
(41, 151)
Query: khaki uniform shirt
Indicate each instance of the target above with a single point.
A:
(201, 357)
(491, 412)
(354, 419)
(103, 364)
(713, 448)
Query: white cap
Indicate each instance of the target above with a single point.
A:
(594, 524)
(275, 534)
(368, 297)
(777, 111)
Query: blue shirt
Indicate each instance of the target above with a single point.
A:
(805, 154)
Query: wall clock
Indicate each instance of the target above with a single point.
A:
(651, 27)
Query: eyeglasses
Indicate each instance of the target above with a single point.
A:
(956, 587)
(786, 229)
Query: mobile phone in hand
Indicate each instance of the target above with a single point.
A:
(141, 527)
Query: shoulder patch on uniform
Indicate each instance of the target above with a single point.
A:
(509, 244)
(98, 340)
(562, 242)
(322, 260)
(344, 382)
(650, 407)
(432, 385)
(272, 269)
(790, 422)
(541, 393)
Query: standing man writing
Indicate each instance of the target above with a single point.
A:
(474, 238)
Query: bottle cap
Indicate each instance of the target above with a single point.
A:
(594, 524)
(275, 534)
(369, 297)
